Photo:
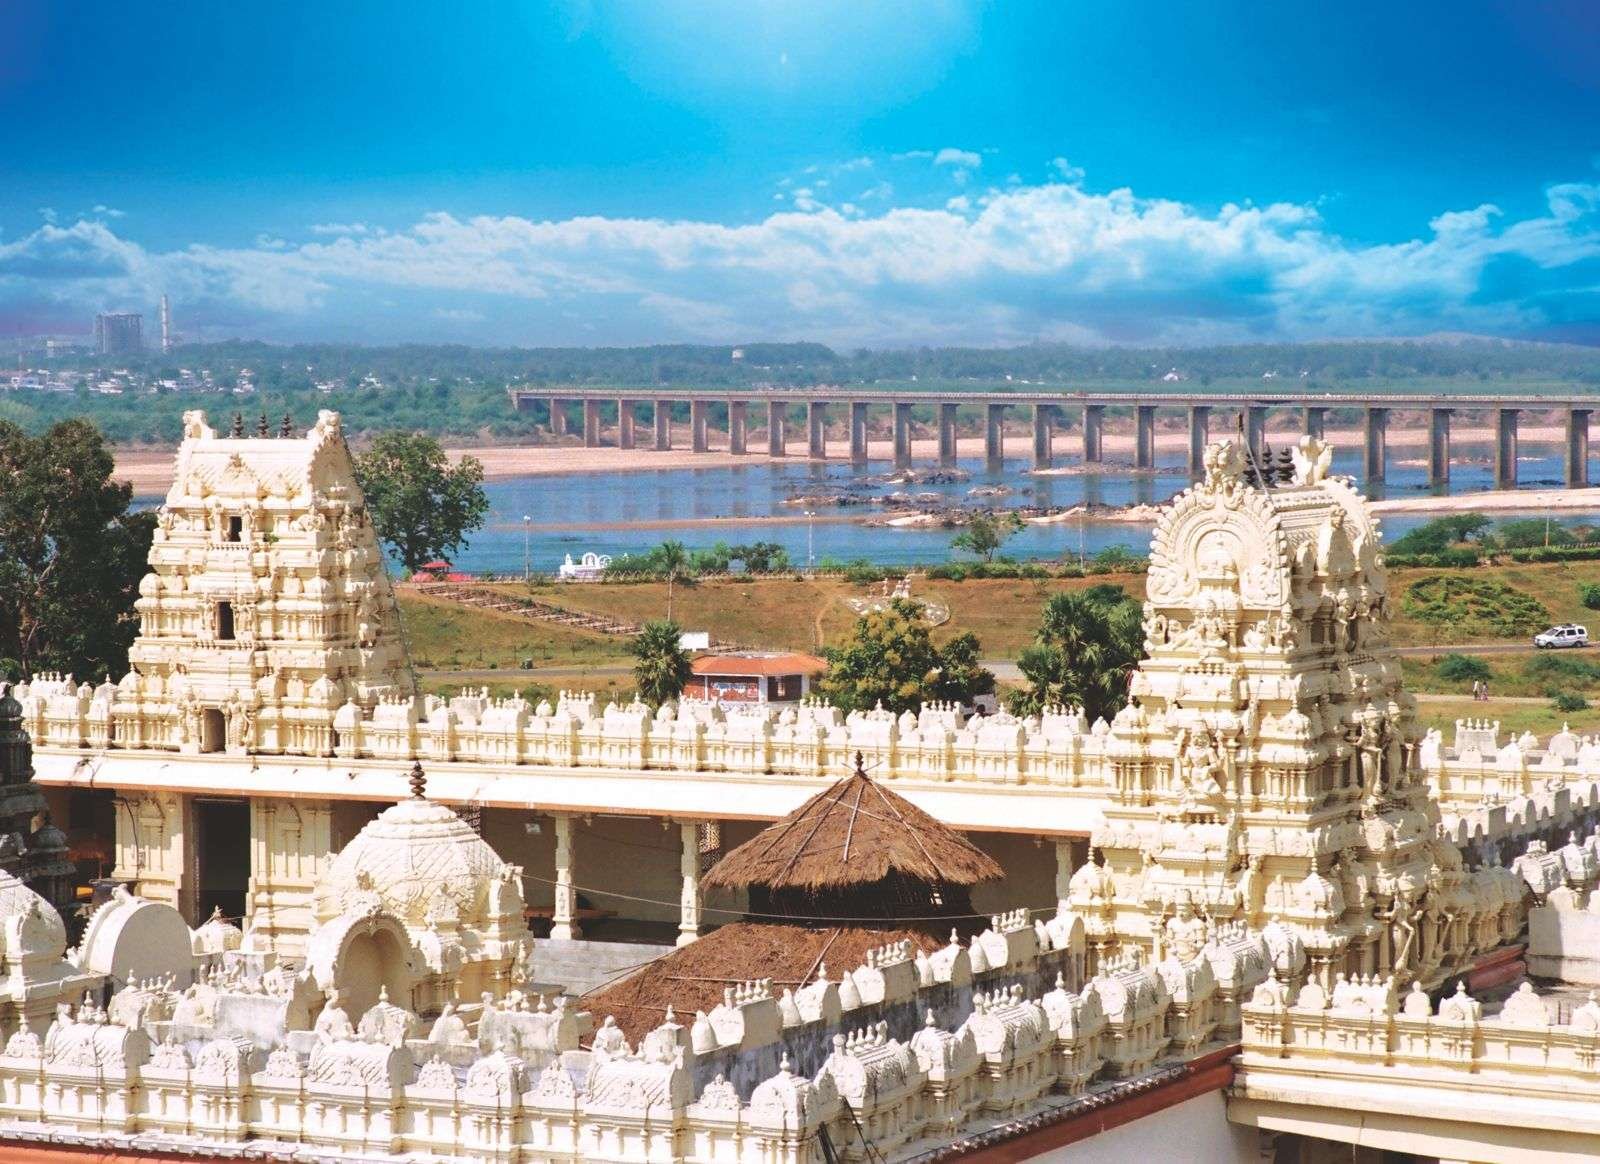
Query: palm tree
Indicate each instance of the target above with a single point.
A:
(1081, 656)
(661, 668)
(673, 561)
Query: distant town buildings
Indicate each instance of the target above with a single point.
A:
(118, 333)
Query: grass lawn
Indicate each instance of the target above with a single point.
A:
(443, 635)
(1554, 584)
(1515, 718)
(796, 614)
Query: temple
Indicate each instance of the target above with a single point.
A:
(1259, 914)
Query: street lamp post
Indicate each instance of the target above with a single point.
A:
(527, 572)
(810, 560)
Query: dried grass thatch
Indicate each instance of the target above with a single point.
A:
(853, 835)
(693, 978)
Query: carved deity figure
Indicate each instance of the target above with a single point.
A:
(1251, 889)
(334, 1023)
(1185, 933)
(1372, 747)
(1197, 767)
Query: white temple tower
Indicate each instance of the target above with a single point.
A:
(266, 608)
(1264, 770)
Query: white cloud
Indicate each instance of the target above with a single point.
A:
(1066, 171)
(48, 213)
(960, 159)
(1019, 263)
(339, 228)
(102, 211)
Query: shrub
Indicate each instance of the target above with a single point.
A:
(1589, 594)
(1473, 605)
(1457, 668)
(1566, 668)
(1568, 701)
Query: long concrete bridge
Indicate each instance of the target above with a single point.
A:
(1048, 411)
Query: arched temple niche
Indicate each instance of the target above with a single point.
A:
(359, 957)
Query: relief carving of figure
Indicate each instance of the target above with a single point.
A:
(1250, 891)
(334, 1022)
(1197, 768)
(1185, 933)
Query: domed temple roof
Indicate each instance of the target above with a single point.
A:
(417, 858)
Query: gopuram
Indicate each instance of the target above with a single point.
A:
(1265, 770)
(1260, 914)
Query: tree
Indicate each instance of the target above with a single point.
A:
(891, 659)
(1523, 532)
(661, 669)
(71, 555)
(422, 508)
(986, 533)
(672, 561)
(1087, 642)
(1441, 533)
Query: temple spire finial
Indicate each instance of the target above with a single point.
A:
(419, 780)
(861, 766)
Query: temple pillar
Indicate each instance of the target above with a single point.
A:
(1376, 444)
(994, 436)
(591, 424)
(689, 867)
(777, 439)
(1094, 419)
(858, 431)
(1199, 434)
(564, 917)
(155, 832)
(558, 417)
(817, 429)
(736, 427)
(698, 426)
(1505, 448)
(663, 422)
(1043, 431)
(291, 846)
(625, 419)
(1439, 446)
(1255, 426)
(1144, 439)
(902, 434)
(1314, 420)
(947, 434)
(1577, 447)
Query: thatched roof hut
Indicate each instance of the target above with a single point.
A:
(856, 851)
(854, 867)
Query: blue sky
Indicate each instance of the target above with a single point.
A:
(855, 173)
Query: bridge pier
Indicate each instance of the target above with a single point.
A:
(777, 443)
(947, 435)
(817, 430)
(558, 416)
(858, 432)
(663, 423)
(625, 419)
(591, 424)
(1505, 448)
(1577, 447)
(1255, 426)
(1314, 421)
(1439, 446)
(1094, 419)
(1044, 419)
(1376, 444)
(994, 437)
(1199, 434)
(902, 434)
(737, 426)
(1144, 437)
(698, 436)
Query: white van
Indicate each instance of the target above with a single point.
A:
(1568, 634)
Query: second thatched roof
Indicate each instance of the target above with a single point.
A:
(855, 833)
